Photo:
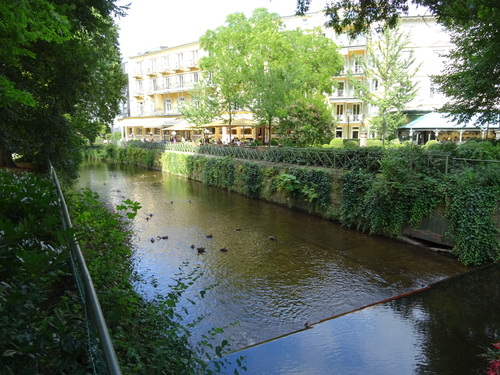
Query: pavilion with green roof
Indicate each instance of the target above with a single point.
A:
(436, 125)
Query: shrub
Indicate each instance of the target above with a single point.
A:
(432, 145)
(337, 143)
(373, 142)
(351, 144)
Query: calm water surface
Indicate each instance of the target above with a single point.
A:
(315, 269)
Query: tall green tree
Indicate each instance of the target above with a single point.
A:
(471, 79)
(387, 79)
(286, 65)
(227, 48)
(258, 65)
(62, 77)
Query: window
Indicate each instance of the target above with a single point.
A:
(355, 132)
(356, 111)
(338, 133)
(180, 80)
(138, 68)
(340, 111)
(196, 77)
(138, 87)
(140, 109)
(166, 83)
(181, 100)
(340, 89)
(167, 105)
(154, 84)
(357, 66)
(374, 84)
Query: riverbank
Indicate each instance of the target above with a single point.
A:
(406, 197)
(44, 327)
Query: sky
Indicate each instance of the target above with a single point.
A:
(153, 23)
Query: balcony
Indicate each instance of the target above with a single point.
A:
(138, 92)
(138, 74)
(353, 119)
(152, 72)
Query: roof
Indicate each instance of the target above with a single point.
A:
(438, 120)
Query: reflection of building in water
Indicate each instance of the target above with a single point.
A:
(160, 81)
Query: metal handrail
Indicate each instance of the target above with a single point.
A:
(89, 298)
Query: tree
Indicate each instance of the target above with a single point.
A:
(471, 79)
(387, 83)
(62, 77)
(309, 122)
(203, 104)
(286, 64)
(227, 48)
(257, 64)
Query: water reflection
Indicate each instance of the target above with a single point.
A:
(441, 330)
(314, 270)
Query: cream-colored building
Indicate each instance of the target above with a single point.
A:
(160, 80)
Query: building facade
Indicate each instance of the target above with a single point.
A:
(160, 81)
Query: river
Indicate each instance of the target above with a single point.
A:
(260, 288)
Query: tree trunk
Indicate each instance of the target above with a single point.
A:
(6, 158)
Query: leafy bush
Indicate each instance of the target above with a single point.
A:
(373, 142)
(337, 143)
(474, 149)
(351, 144)
(41, 329)
(432, 144)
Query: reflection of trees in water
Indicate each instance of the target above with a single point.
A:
(455, 320)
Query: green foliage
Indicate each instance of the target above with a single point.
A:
(432, 144)
(253, 178)
(132, 154)
(408, 188)
(42, 328)
(351, 144)
(309, 121)
(337, 143)
(394, 76)
(61, 78)
(472, 200)
(219, 172)
(373, 142)
(287, 182)
(305, 184)
(482, 150)
(248, 56)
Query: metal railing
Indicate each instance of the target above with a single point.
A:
(101, 351)
(436, 162)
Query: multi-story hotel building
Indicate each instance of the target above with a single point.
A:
(160, 80)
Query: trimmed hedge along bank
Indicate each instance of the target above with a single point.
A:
(408, 187)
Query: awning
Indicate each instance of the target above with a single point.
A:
(148, 122)
(181, 125)
(437, 120)
(235, 122)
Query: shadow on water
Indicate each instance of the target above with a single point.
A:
(315, 269)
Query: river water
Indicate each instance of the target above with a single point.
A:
(259, 288)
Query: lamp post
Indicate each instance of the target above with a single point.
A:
(348, 115)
